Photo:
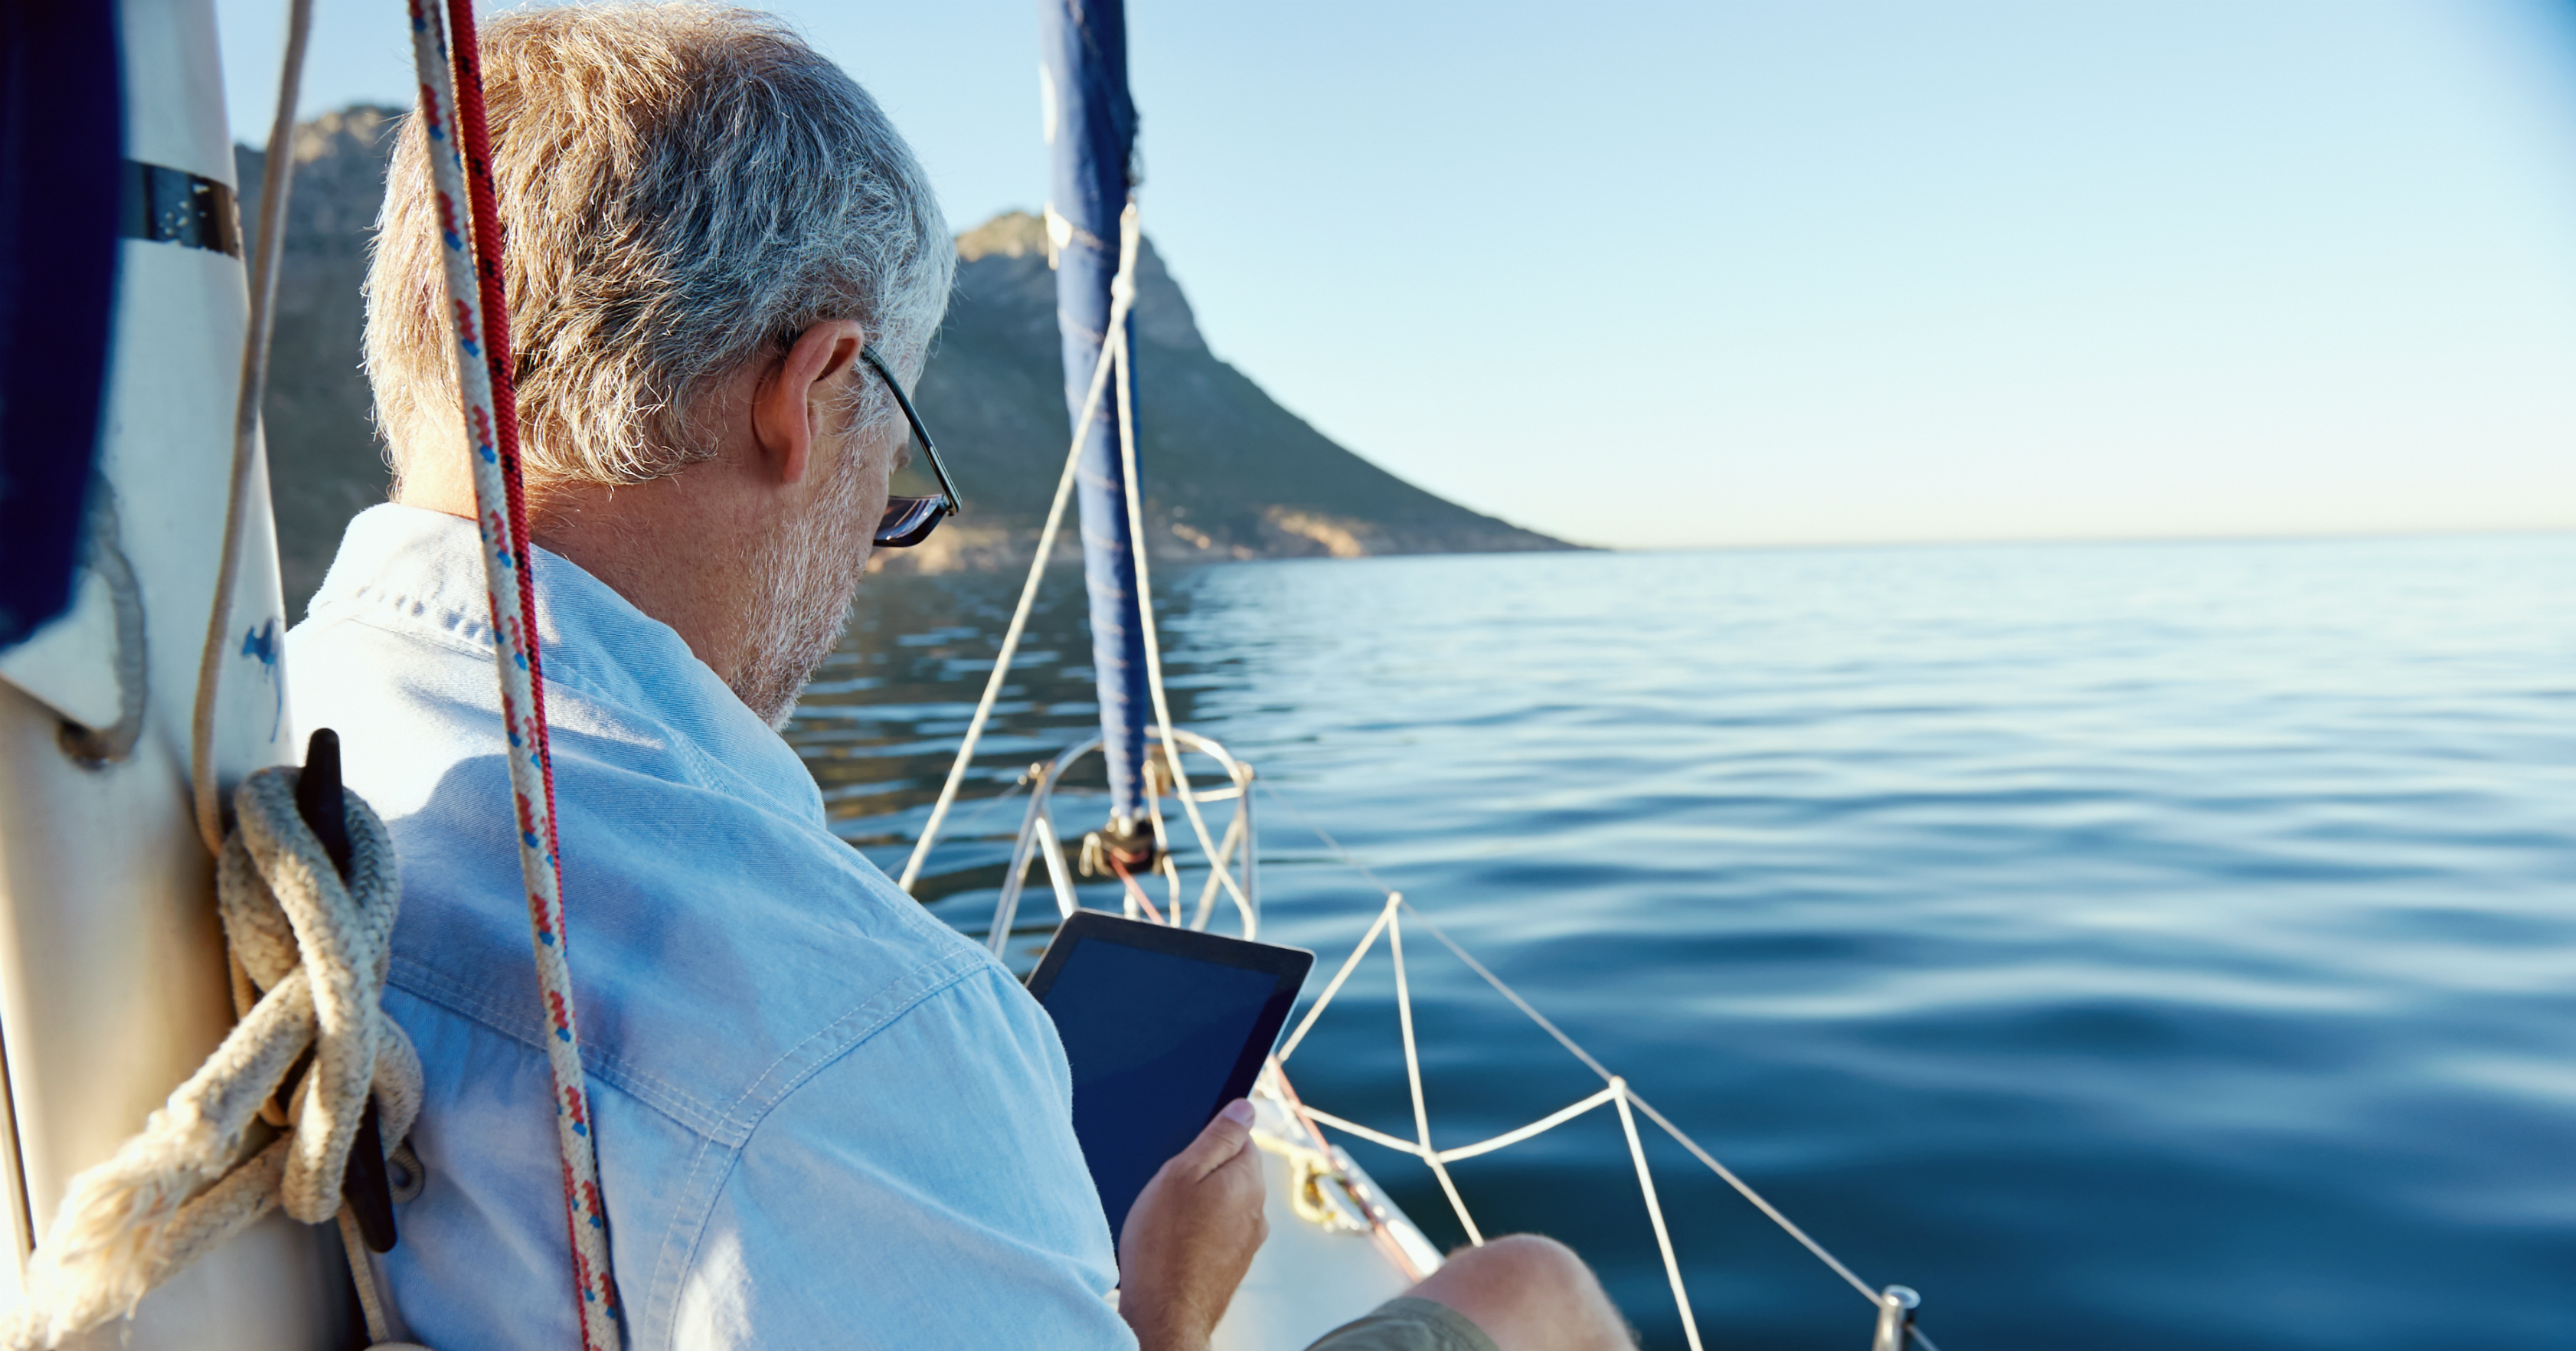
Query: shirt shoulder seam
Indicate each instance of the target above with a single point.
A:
(682, 1108)
(843, 1035)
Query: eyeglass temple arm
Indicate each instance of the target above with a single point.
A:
(929, 450)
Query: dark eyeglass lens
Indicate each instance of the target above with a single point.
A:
(908, 521)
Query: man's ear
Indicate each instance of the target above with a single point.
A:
(789, 404)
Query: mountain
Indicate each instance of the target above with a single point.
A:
(1229, 474)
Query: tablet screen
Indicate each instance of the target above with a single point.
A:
(1161, 1027)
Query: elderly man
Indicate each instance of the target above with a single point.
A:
(823, 1118)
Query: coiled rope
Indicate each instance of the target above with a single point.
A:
(460, 159)
(316, 948)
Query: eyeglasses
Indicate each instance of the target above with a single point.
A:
(909, 520)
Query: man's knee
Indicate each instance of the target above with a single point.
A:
(1526, 1290)
(1531, 1265)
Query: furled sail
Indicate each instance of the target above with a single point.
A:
(1091, 136)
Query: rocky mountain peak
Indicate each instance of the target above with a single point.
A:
(1012, 234)
(1232, 474)
(1008, 254)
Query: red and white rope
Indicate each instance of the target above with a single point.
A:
(460, 160)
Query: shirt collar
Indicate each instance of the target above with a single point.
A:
(427, 567)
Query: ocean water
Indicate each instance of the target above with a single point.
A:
(2125, 945)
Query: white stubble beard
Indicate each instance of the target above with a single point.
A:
(807, 570)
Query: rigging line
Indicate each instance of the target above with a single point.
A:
(276, 180)
(1375, 1137)
(1741, 1187)
(1747, 1192)
(1413, 1077)
(1225, 859)
(458, 148)
(1655, 1211)
(1544, 1124)
(1335, 845)
(1122, 293)
(1134, 892)
(1277, 1076)
(1511, 994)
(1393, 899)
(989, 805)
(985, 807)
(1511, 1137)
(1437, 932)
(1130, 231)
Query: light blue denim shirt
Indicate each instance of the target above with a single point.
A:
(824, 1118)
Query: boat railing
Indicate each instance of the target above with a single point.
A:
(1235, 858)
(1233, 869)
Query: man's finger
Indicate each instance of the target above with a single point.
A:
(1224, 1138)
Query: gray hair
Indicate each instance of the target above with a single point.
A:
(682, 188)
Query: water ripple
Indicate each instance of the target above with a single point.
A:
(2127, 945)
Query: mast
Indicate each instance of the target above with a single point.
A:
(1091, 136)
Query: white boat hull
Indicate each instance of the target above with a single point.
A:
(1311, 1277)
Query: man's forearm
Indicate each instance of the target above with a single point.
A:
(1158, 1333)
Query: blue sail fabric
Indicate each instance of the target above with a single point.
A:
(1091, 135)
(62, 148)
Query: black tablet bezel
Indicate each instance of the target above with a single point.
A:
(1289, 966)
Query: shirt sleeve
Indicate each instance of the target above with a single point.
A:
(922, 1189)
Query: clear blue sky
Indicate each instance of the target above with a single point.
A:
(1704, 274)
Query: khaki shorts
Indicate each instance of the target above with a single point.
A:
(1408, 1324)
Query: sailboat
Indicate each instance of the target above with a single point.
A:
(140, 687)
(1338, 1245)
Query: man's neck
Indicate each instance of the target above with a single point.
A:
(676, 548)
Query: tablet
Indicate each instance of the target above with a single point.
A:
(1162, 1027)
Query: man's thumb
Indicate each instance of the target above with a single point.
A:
(1224, 1138)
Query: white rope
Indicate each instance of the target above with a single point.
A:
(1511, 1137)
(1375, 1137)
(318, 949)
(1386, 913)
(277, 177)
(1122, 293)
(1755, 1197)
(1237, 832)
(1544, 1124)
(1114, 359)
(1413, 1078)
(1617, 1086)
(1655, 1211)
(1130, 230)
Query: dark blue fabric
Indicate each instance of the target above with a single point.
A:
(62, 152)
(1093, 129)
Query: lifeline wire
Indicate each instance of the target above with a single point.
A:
(1122, 294)
(1617, 1089)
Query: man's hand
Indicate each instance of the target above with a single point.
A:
(1191, 1235)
